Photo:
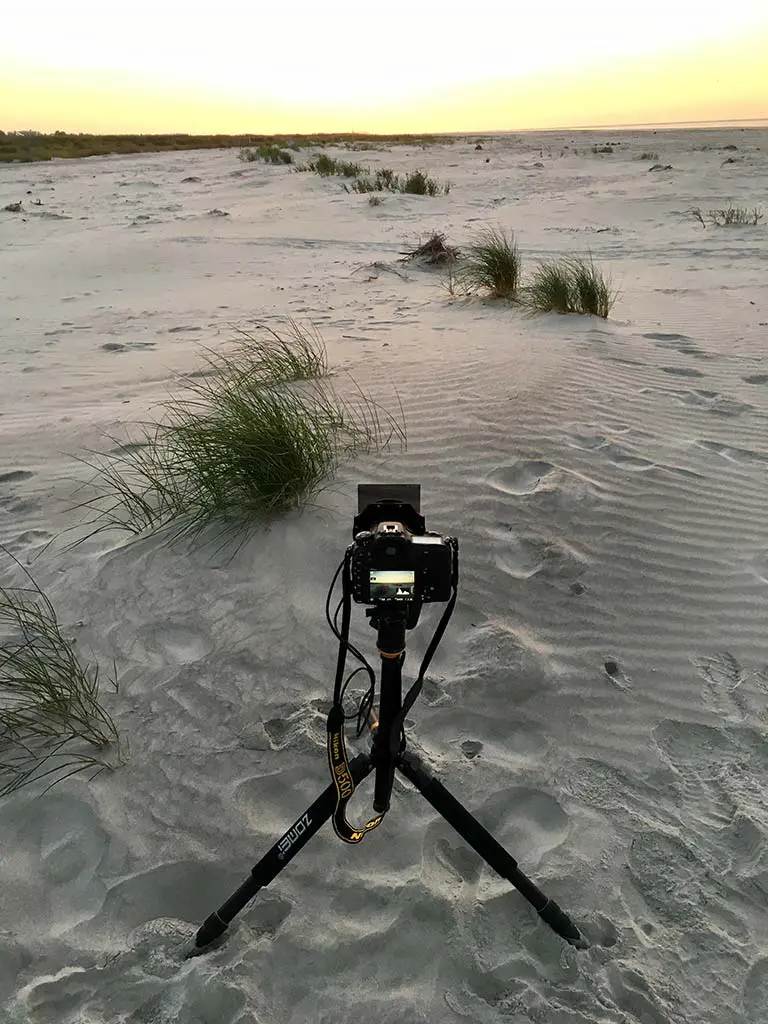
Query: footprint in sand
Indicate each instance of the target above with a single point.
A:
(33, 538)
(619, 456)
(181, 890)
(677, 885)
(166, 643)
(723, 406)
(633, 994)
(756, 378)
(623, 796)
(732, 692)
(584, 438)
(682, 371)
(525, 557)
(679, 342)
(10, 501)
(660, 336)
(521, 817)
(524, 477)
(710, 767)
(15, 476)
(754, 997)
(738, 455)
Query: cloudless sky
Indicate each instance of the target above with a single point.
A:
(336, 65)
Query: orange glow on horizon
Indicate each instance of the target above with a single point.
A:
(714, 81)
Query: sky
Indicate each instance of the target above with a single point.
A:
(307, 66)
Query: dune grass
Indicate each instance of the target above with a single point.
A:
(492, 264)
(326, 166)
(383, 180)
(730, 216)
(735, 216)
(570, 284)
(49, 700)
(257, 432)
(267, 152)
(419, 183)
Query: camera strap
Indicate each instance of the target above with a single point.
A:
(342, 780)
(338, 762)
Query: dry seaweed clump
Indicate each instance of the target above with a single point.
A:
(434, 251)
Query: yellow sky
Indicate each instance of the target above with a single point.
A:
(237, 66)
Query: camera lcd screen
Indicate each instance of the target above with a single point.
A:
(392, 584)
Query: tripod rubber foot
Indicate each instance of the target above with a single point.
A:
(559, 922)
(210, 930)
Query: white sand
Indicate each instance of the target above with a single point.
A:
(628, 456)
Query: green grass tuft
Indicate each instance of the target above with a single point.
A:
(420, 184)
(492, 263)
(268, 153)
(49, 701)
(258, 432)
(569, 285)
(384, 180)
(326, 166)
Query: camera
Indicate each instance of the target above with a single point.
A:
(395, 559)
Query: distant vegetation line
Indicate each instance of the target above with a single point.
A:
(26, 147)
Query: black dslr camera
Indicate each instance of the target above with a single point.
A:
(395, 559)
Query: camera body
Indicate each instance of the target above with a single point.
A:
(395, 560)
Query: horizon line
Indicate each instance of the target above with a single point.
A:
(745, 122)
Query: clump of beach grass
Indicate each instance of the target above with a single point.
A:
(735, 216)
(270, 154)
(419, 183)
(384, 179)
(326, 166)
(49, 699)
(569, 284)
(257, 432)
(491, 263)
(731, 216)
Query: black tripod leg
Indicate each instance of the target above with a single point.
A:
(273, 862)
(470, 829)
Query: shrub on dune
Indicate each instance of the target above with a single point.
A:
(363, 185)
(420, 184)
(268, 153)
(325, 166)
(569, 285)
(49, 702)
(258, 432)
(737, 216)
(492, 263)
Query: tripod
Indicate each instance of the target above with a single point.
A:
(387, 755)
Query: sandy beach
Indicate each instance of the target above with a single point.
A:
(607, 481)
